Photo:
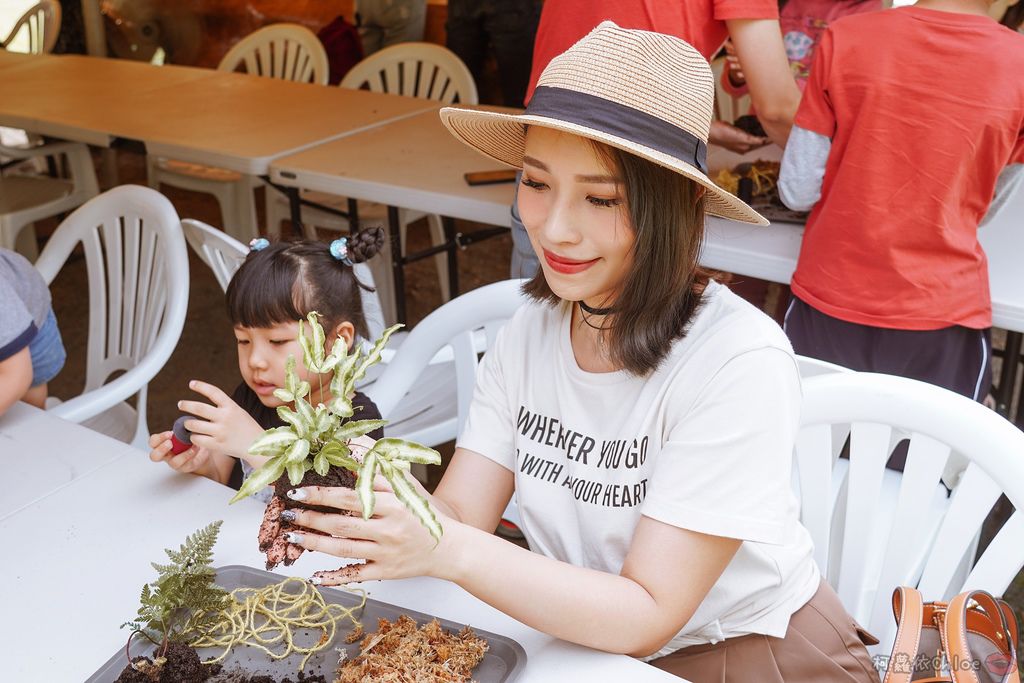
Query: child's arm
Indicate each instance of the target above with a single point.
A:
(773, 89)
(1010, 182)
(803, 169)
(15, 378)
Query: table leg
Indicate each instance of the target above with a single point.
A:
(295, 206)
(397, 263)
(452, 238)
(1008, 374)
(353, 216)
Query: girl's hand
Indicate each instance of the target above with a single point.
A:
(224, 426)
(191, 461)
(393, 542)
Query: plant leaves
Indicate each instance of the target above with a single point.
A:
(321, 464)
(318, 339)
(399, 449)
(291, 379)
(307, 348)
(356, 428)
(273, 441)
(289, 417)
(284, 395)
(338, 454)
(341, 405)
(296, 470)
(411, 498)
(325, 421)
(364, 485)
(264, 476)
(372, 356)
(307, 417)
(297, 452)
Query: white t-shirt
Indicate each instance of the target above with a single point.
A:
(703, 443)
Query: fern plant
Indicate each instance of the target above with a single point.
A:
(184, 599)
(317, 437)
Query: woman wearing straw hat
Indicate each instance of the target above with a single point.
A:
(643, 415)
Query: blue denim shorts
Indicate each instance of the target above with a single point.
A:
(47, 351)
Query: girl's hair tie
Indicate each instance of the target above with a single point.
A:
(339, 250)
(258, 244)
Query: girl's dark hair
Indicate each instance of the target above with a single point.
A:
(286, 280)
(662, 291)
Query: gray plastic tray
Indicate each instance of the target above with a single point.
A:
(504, 660)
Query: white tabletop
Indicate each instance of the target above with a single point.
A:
(32, 473)
(413, 163)
(77, 558)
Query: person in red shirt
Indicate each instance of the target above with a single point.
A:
(909, 118)
(753, 26)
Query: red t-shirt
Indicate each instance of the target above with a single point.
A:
(924, 109)
(699, 22)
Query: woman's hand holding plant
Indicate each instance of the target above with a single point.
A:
(393, 542)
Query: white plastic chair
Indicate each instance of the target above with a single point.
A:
(924, 541)
(426, 397)
(284, 51)
(26, 198)
(137, 266)
(421, 70)
(36, 30)
(217, 249)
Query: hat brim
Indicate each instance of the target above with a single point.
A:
(502, 137)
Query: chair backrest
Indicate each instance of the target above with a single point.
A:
(38, 26)
(286, 51)
(218, 250)
(456, 323)
(421, 70)
(812, 367)
(977, 451)
(224, 255)
(137, 266)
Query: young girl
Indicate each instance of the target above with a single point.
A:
(276, 286)
(643, 414)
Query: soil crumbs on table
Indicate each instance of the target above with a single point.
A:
(400, 651)
(237, 676)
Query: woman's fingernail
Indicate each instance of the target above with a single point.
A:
(191, 384)
(297, 494)
(289, 515)
(315, 580)
(179, 404)
(293, 537)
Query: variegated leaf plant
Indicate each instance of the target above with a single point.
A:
(316, 437)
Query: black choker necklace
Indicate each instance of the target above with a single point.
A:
(593, 311)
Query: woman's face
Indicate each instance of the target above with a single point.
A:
(574, 209)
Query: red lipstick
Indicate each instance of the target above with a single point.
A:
(567, 266)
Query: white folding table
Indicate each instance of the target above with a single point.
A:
(78, 553)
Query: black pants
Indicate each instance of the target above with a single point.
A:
(506, 27)
(956, 358)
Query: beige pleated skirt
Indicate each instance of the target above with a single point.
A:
(823, 644)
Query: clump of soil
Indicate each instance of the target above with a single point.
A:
(401, 651)
(182, 665)
(273, 529)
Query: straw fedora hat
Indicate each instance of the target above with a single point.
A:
(646, 93)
